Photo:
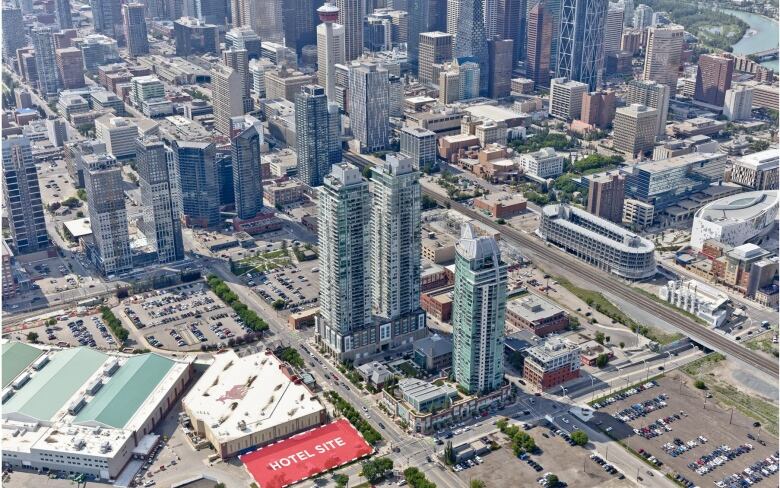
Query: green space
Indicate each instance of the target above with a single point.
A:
(600, 303)
(291, 356)
(763, 343)
(249, 317)
(543, 138)
(457, 188)
(715, 30)
(265, 262)
(375, 470)
(347, 410)
(702, 370)
(407, 369)
(114, 324)
(417, 479)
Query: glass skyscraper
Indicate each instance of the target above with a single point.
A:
(580, 48)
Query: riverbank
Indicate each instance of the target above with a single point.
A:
(762, 35)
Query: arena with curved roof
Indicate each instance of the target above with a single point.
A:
(736, 219)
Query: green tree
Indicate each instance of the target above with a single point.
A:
(82, 194)
(700, 384)
(341, 480)
(602, 360)
(600, 338)
(477, 483)
(449, 454)
(622, 344)
(220, 485)
(376, 469)
(32, 337)
(278, 304)
(552, 480)
(579, 437)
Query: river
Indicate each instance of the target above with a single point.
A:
(762, 35)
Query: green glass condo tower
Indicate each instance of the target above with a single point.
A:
(479, 307)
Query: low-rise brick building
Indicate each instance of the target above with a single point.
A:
(551, 364)
(537, 315)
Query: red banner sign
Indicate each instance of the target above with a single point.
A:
(305, 455)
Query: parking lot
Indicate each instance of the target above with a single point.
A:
(297, 285)
(183, 317)
(672, 427)
(502, 468)
(67, 331)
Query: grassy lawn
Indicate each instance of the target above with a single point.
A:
(407, 369)
(763, 343)
(599, 302)
(703, 364)
(267, 261)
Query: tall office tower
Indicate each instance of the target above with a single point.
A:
(107, 214)
(247, 180)
(351, 13)
(478, 313)
(566, 98)
(613, 28)
(635, 129)
(512, 24)
(97, 50)
(555, 7)
(238, 61)
(369, 106)
(344, 244)
(539, 44)
(162, 222)
(155, 9)
(62, 13)
(196, 162)
(22, 196)
(331, 48)
(57, 130)
(135, 29)
(653, 95)
(468, 79)
(662, 55)
(244, 38)
(643, 17)
(605, 196)
(317, 134)
(299, 22)
(419, 22)
(581, 48)
(500, 53)
(377, 33)
(26, 6)
(211, 11)
(107, 15)
(738, 103)
(13, 31)
(470, 39)
(46, 61)
(70, 67)
(713, 78)
(628, 13)
(236, 14)
(435, 48)
(420, 145)
(395, 238)
(226, 84)
(490, 14)
(598, 108)
(453, 11)
(193, 36)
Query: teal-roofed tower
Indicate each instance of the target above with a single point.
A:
(478, 312)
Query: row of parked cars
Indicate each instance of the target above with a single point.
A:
(718, 457)
(684, 481)
(751, 475)
(606, 466)
(651, 459)
(677, 447)
(468, 463)
(658, 427)
(642, 409)
(626, 394)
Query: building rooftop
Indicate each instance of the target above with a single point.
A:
(492, 112)
(434, 345)
(50, 388)
(677, 162)
(610, 233)
(79, 227)
(739, 207)
(115, 403)
(747, 251)
(17, 356)
(533, 308)
(421, 391)
(761, 161)
(237, 395)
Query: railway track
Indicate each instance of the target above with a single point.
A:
(602, 281)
